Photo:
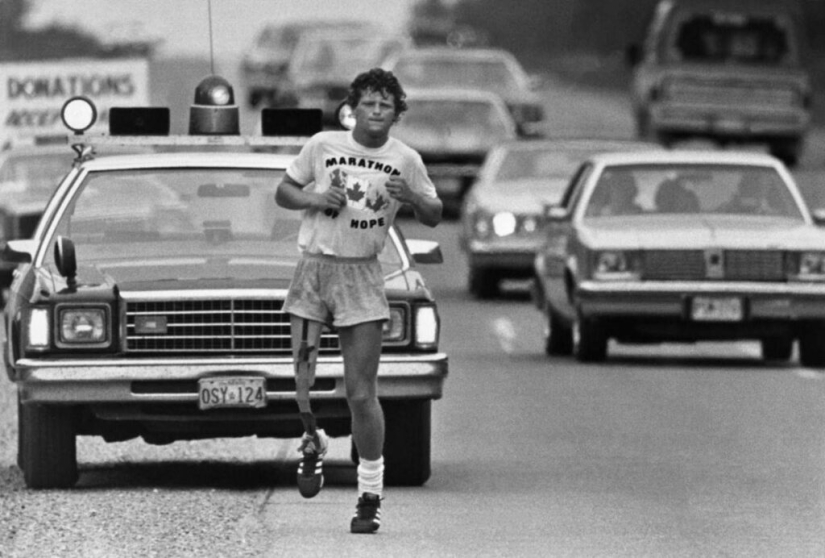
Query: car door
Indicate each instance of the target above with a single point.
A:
(556, 250)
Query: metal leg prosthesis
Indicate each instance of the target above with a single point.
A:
(314, 442)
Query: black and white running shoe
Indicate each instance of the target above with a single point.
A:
(311, 467)
(367, 518)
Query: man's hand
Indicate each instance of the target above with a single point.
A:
(398, 189)
(333, 198)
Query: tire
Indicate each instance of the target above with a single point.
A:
(778, 349)
(558, 337)
(591, 345)
(407, 442)
(811, 346)
(47, 444)
(482, 283)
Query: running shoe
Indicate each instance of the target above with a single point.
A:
(367, 518)
(311, 467)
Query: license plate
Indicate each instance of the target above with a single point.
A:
(235, 391)
(709, 309)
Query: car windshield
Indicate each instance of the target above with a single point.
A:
(487, 75)
(692, 189)
(342, 57)
(460, 121)
(724, 37)
(33, 176)
(528, 164)
(186, 224)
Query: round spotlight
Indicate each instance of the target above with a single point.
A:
(214, 111)
(78, 114)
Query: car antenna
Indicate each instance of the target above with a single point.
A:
(211, 45)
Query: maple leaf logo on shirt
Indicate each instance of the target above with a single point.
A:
(339, 178)
(377, 203)
(355, 193)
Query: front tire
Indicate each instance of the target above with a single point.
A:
(483, 283)
(591, 342)
(811, 346)
(558, 337)
(407, 442)
(777, 349)
(47, 446)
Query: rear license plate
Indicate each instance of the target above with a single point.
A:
(711, 309)
(234, 391)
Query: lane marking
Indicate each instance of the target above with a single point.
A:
(505, 333)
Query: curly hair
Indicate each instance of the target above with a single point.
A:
(379, 80)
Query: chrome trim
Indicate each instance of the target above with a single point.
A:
(687, 287)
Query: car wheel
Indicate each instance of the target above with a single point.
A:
(407, 442)
(811, 346)
(47, 444)
(777, 348)
(590, 340)
(483, 283)
(558, 337)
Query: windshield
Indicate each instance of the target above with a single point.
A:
(191, 223)
(344, 57)
(526, 164)
(459, 121)
(692, 189)
(487, 75)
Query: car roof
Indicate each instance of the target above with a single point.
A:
(190, 159)
(579, 142)
(686, 156)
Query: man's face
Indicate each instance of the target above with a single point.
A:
(375, 113)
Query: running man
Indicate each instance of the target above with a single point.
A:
(350, 185)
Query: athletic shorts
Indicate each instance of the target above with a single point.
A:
(338, 291)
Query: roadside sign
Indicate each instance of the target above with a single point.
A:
(32, 93)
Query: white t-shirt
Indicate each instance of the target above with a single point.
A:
(335, 159)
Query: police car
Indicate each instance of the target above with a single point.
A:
(148, 302)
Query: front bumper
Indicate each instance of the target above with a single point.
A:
(777, 302)
(515, 256)
(165, 380)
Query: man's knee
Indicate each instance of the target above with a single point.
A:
(361, 400)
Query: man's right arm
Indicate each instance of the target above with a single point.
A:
(291, 195)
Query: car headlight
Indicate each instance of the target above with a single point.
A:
(615, 265)
(395, 329)
(38, 329)
(426, 327)
(83, 326)
(811, 266)
(530, 224)
(482, 225)
(504, 224)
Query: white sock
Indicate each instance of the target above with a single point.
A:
(371, 476)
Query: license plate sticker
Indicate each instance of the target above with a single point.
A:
(232, 391)
(713, 309)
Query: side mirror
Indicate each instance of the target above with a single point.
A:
(633, 54)
(818, 215)
(345, 117)
(425, 251)
(66, 260)
(555, 213)
(19, 251)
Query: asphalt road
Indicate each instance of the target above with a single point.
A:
(661, 451)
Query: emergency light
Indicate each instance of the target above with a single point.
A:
(78, 114)
(214, 112)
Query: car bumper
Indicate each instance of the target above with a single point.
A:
(102, 380)
(784, 302)
(680, 118)
(515, 255)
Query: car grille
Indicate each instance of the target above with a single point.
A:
(213, 326)
(696, 265)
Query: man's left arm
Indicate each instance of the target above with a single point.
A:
(427, 209)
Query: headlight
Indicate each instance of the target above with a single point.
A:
(811, 266)
(482, 227)
(615, 266)
(530, 224)
(504, 224)
(38, 329)
(395, 329)
(83, 326)
(426, 327)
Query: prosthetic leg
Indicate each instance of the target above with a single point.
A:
(313, 443)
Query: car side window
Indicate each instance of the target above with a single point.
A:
(574, 189)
